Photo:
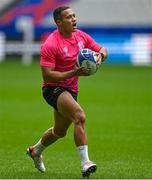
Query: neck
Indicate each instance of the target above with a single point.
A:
(65, 33)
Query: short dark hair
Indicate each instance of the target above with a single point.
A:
(57, 12)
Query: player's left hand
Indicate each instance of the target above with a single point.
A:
(99, 58)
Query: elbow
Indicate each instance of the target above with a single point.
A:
(48, 79)
(51, 77)
(48, 75)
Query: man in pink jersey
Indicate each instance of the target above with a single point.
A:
(60, 86)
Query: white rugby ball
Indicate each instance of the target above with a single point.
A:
(87, 58)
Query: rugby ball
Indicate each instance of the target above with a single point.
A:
(87, 58)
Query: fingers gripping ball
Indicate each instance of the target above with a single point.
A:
(87, 58)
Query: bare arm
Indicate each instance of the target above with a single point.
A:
(102, 55)
(50, 75)
(104, 52)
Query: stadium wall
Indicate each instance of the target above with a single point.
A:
(124, 27)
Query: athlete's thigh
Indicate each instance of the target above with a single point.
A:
(61, 123)
(67, 106)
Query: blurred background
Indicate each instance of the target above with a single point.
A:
(124, 27)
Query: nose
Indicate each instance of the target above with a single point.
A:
(74, 19)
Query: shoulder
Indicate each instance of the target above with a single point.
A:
(51, 42)
(83, 34)
(80, 32)
(51, 39)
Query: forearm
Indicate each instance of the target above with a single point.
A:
(56, 76)
(104, 53)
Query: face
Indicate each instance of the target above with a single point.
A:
(68, 23)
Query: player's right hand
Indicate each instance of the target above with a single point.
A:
(81, 71)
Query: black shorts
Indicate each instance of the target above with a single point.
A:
(51, 94)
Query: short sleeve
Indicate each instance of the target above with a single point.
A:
(48, 56)
(90, 43)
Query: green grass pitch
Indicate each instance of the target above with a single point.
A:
(118, 104)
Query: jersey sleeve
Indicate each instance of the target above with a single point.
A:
(90, 43)
(48, 56)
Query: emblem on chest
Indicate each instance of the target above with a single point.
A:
(66, 52)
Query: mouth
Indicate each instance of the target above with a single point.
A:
(74, 25)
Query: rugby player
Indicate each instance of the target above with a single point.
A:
(60, 86)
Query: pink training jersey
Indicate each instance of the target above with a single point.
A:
(61, 53)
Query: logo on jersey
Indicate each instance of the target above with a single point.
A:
(81, 45)
(66, 53)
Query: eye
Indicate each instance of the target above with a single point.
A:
(69, 17)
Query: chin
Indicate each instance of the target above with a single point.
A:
(74, 29)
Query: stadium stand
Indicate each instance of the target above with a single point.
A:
(115, 12)
(123, 26)
(4, 3)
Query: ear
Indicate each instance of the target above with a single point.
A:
(59, 22)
